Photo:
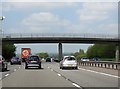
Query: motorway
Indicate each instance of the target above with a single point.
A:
(52, 76)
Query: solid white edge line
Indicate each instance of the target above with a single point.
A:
(59, 74)
(99, 72)
(7, 75)
(76, 85)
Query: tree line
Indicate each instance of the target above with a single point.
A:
(98, 50)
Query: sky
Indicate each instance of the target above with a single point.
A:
(54, 16)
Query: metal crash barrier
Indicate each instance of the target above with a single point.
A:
(102, 64)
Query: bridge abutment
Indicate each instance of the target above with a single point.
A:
(60, 51)
(117, 53)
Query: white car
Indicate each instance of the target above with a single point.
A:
(69, 62)
(85, 59)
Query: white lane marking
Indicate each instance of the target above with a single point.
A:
(14, 69)
(0, 78)
(59, 74)
(19, 67)
(76, 85)
(7, 75)
(48, 67)
(99, 73)
(51, 69)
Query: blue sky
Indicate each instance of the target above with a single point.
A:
(67, 16)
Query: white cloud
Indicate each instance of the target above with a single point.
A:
(60, 0)
(96, 11)
(109, 28)
(8, 6)
(43, 22)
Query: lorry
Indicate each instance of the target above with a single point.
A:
(25, 52)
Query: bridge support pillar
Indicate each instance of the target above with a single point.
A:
(60, 51)
(117, 53)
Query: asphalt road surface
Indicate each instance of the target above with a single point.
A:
(52, 76)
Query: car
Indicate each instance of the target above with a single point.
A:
(3, 64)
(33, 61)
(96, 59)
(15, 60)
(68, 62)
(85, 59)
(48, 59)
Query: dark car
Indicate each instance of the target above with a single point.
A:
(96, 59)
(33, 61)
(48, 59)
(15, 60)
(3, 64)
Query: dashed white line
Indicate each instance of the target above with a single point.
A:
(14, 69)
(7, 75)
(19, 67)
(48, 67)
(76, 85)
(51, 69)
(100, 73)
(59, 74)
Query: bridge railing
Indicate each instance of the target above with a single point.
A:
(101, 64)
(73, 35)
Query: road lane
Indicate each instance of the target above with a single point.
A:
(11, 69)
(85, 78)
(35, 78)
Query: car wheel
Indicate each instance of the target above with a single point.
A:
(26, 67)
(11, 63)
(76, 68)
(39, 66)
(3, 69)
(6, 69)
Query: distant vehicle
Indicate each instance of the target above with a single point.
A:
(68, 62)
(15, 60)
(96, 59)
(33, 61)
(25, 52)
(48, 59)
(85, 59)
(3, 64)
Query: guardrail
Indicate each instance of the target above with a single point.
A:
(102, 64)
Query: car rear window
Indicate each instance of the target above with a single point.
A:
(85, 58)
(34, 58)
(70, 58)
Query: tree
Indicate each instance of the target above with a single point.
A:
(42, 55)
(79, 54)
(8, 50)
(101, 51)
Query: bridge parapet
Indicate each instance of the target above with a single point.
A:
(72, 35)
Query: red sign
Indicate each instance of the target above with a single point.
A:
(25, 52)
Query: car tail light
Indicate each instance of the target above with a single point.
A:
(0, 62)
(27, 60)
(39, 60)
